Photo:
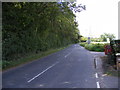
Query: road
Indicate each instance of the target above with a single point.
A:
(72, 67)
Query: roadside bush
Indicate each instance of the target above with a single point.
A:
(94, 47)
(83, 44)
(36, 27)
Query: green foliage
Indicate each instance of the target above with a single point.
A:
(83, 44)
(96, 39)
(36, 27)
(83, 39)
(94, 47)
(107, 35)
(28, 58)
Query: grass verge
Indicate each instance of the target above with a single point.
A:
(31, 57)
(109, 69)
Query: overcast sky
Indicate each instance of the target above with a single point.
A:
(101, 16)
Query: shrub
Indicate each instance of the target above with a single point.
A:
(83, 44)
(94, 47)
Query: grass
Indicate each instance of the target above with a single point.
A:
(31, 57)
(93, 47)
(109, 69)
(83, 44)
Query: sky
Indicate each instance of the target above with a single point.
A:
(101, 16)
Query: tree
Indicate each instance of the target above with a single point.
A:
(107, 35)
(30, 27)
(83, 39)
(96, 39)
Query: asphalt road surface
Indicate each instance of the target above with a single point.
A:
(72, 67)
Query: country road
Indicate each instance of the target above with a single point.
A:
(72, 67)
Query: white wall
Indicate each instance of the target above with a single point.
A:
(119, 34)
(119, 20)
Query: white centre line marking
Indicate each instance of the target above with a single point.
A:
(42, 72)
(96, 75)
(68, 54)
(98, 85)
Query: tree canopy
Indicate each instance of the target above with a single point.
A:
(30, 27)
(107, 35)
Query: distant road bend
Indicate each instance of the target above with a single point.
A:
(72, 67)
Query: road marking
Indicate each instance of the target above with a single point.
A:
(42, 72)
(98, 85)
(68, 54)
(96, 75)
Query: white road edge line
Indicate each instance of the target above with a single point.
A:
(96, 75)
(68, 54)
(42, 72)
(98, 85)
